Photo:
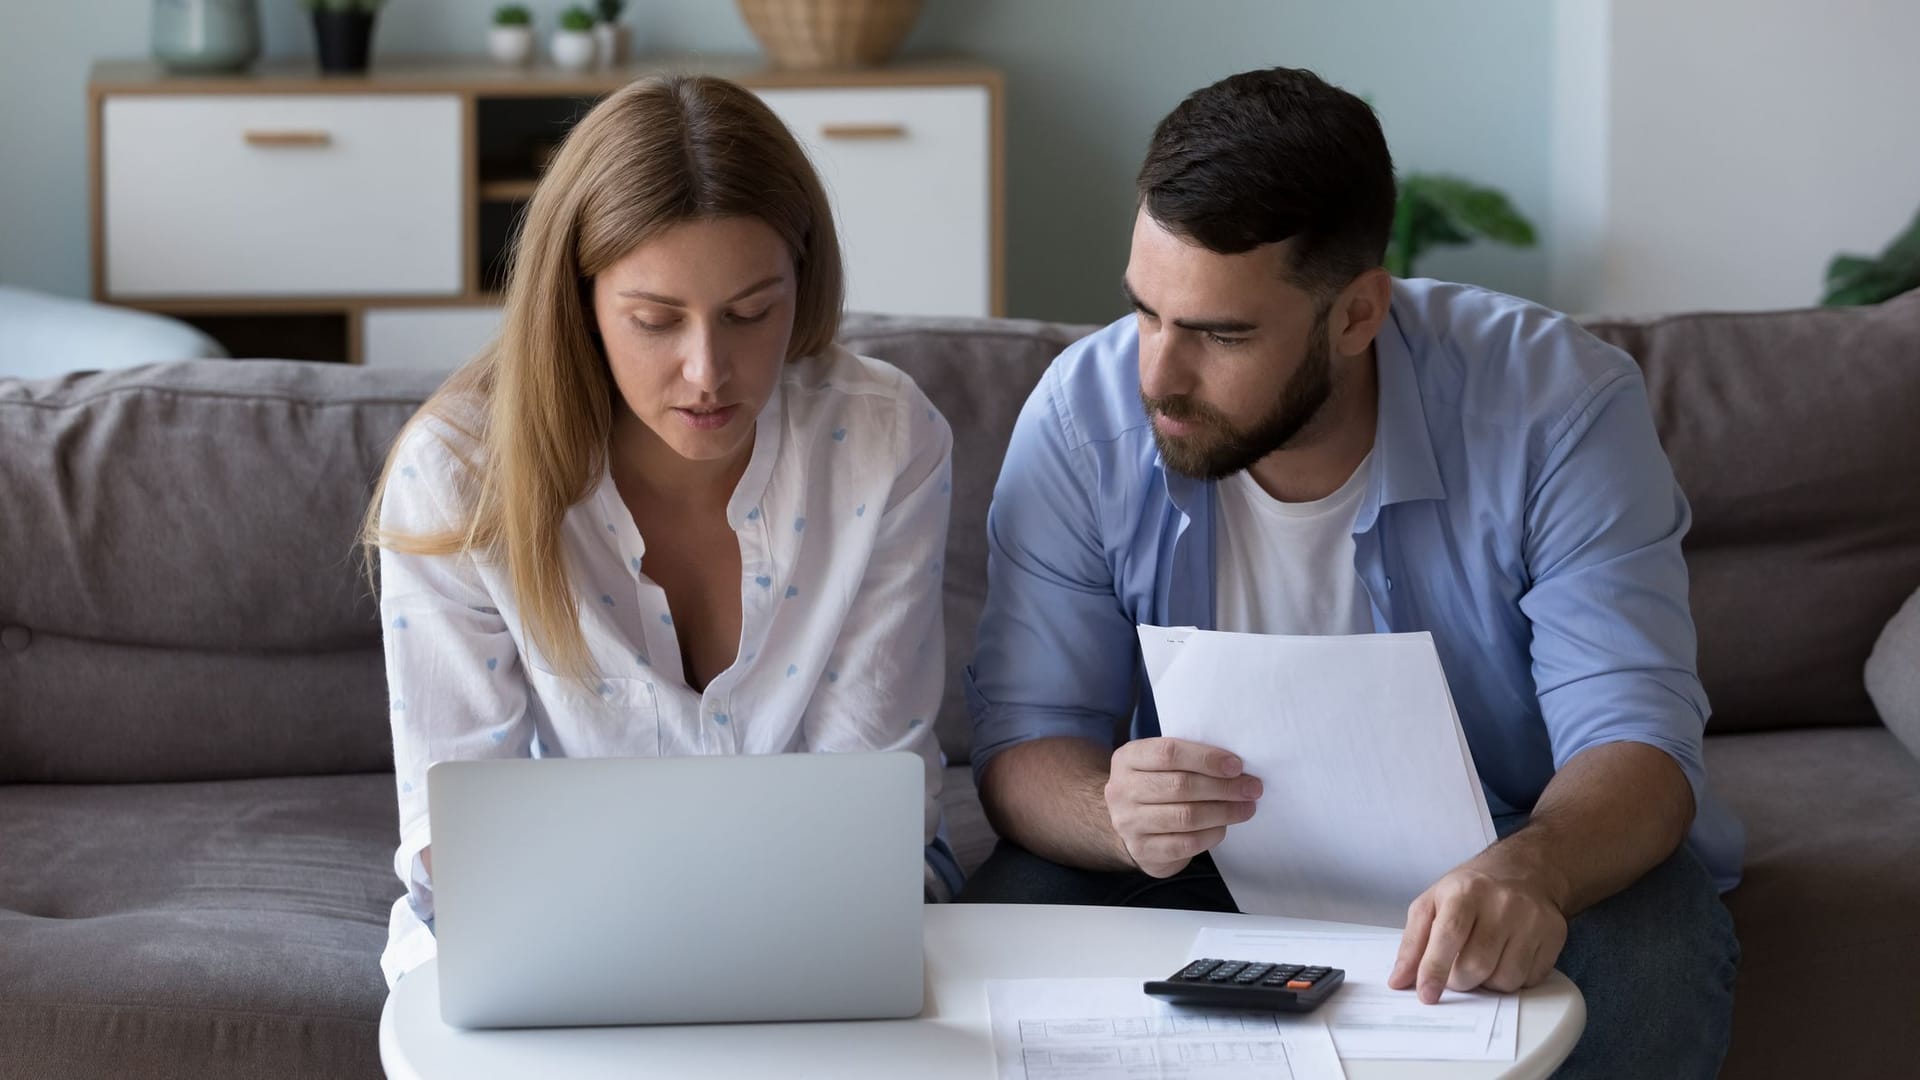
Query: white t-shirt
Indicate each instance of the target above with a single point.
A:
(1287, 568)
(842, 520)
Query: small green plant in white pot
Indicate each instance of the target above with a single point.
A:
(609, 34)
(511, 39)
(572, 44)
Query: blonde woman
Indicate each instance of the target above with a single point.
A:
(663, 513)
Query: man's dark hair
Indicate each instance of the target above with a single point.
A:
(1272, 155)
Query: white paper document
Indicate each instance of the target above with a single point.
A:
(1090, 1029)
(1367, 1019)
(1370, 792)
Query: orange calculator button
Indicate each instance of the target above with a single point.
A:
(1299, 984)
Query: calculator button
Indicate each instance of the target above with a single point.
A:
(1253, 974)
(1275, 979)
(1226, 971)
(1300, 984)
(1197, 969)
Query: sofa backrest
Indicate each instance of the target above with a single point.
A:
(180, 592)
(181, 598)
(1796, 436)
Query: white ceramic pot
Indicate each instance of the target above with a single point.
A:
(611, 39)
(572, 49)
(511, 45)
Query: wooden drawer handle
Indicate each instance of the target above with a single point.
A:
(288, 138)
(863, 131)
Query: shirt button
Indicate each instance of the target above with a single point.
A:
(1389, 584)
(16, 639)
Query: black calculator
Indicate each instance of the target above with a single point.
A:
(1244, 984)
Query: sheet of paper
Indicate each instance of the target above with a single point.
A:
(1091, 1029)
(1371, 794)
(1367, 1019)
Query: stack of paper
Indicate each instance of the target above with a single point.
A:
(1083, 1029)
(1370, 792)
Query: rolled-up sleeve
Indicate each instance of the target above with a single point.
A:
(1055, 653)
(1613, 639)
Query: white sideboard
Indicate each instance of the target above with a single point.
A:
(366, 218)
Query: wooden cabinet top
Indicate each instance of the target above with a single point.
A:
(478, 75)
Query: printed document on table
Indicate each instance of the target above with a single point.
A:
(1367, 1019)
(1370, 792)
(1092, 1029)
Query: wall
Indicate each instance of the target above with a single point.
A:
(1462, 86)
(1742, 144)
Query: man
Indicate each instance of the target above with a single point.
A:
(1283, 439)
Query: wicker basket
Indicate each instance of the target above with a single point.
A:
(829, 33)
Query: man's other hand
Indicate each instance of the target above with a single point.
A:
(1492, 922)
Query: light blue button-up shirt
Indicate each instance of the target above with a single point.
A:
(1520, 508)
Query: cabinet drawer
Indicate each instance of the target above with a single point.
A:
(428, 337)
(282, 195)
(908, 170)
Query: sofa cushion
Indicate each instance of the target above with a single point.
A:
(1893, 674)
(206, 930)
(1830, 897)
(978, 372)
(1794, 435)
(192, 605)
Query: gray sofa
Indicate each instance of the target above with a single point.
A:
(196, 812)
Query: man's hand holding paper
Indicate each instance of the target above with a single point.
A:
(1172, 799)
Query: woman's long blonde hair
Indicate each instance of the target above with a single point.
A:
(537, 404)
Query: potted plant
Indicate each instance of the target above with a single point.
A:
(1438, 210)
(1857, 279)
(511, 39)
(344, 31)
(572, 44)
(609, 36)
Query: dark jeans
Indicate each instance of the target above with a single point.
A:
(1655, 962)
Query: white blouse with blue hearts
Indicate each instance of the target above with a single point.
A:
(842, 519)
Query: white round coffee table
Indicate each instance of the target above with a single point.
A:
(967, 944)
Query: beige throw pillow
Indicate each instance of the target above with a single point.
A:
(1893, 674)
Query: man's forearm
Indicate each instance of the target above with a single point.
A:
(1610, 815)
(1049, 796)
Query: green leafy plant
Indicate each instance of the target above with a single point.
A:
(576, 18)
(512, 15)
(344, 6)
(610, 9)
(1856, 279)
(1436, 211)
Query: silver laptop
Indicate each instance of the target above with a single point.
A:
(678, 890)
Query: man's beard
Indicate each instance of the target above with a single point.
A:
(1218, 450)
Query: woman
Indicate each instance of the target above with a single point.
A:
(663, 513)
